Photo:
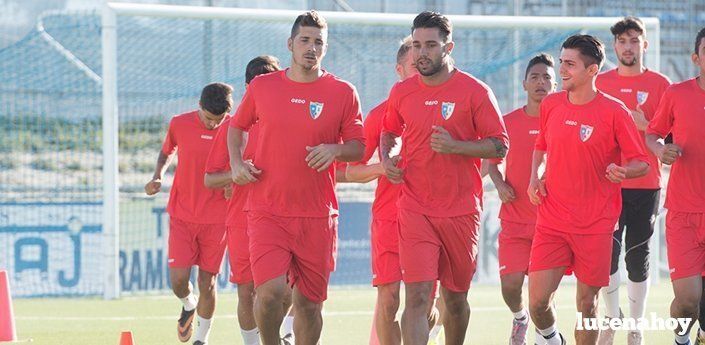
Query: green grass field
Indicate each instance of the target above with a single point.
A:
(347, 320)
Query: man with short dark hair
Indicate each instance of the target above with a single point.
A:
(681, 113)
(196, 223)
(448, 120)
(307, 118)
(583, 135)
(517, 215)
(640, 89)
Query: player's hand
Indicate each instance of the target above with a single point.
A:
(393, 173)
(669, 153)
(245, 173)
(320, 157)
(228, 192)
(442, 141)
(505, 191)
(153, 187)
(639, 118)
(536, 191)
(616, 173)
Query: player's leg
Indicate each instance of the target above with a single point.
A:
(550, 257)
(512, 284)
(514, 252)
(639, 230)
(241, 275)
(686, 262)
(459, 238)
(182, 255)
(270, 238)
(542, 288)
(686, 302)
(268, 309)
(288, 323)
(586, 300)
(309, 273)
(386, 323)
(211, 240)
(414, 320)
(700, 337)
(245, 313)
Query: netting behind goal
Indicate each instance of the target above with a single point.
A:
(51, 140)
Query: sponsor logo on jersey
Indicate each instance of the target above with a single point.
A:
(571, 123)
(315, 109)
(430, 102)
(207, 137)
(447, 109)
(626, 90)
(585, 132)
(533, 132)
(298, 101)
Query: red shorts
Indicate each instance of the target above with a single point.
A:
(239, 255)
(385, 252)
(303, 247)
(438, 248)
(588, 255)
(196, 244)
(515, 247)
(685, 242)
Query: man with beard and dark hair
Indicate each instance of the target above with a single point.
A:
(448, 121)
(640, 89)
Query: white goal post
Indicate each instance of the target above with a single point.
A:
(110, 77)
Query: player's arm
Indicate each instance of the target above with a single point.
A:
(505, 191)
(218, 179)
(242, 172)
(490, 147)
(667, 153)
(321, 156)
(363, 173)
(632, 169)
(537, 189)
(387, 143)
(155, 184)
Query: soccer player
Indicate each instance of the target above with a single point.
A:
(386, 272)
(307, 118)
(218, 176)
(196, 223)
(640, 89)
(583, 136)
(448, 120)
(517, 215)
(681, 113)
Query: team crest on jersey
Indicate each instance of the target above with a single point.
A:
(641, 97)
(585, 132)
(447, 110)
(315, 109)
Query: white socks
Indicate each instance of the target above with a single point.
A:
(551, 335)
(288, 325)
(637, 293)
(189, 302)
(521, 316)
(611, 296)
(683, 339)
(203, 328)
(250, 337)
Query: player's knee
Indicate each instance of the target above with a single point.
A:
(457, 307)
(637, 265)
(417, 299)
(307, 308)
(269, 297)
(511, 289)
(538, 305)
(245, 293)
(388, 303)
(206, 281)
(587, 304)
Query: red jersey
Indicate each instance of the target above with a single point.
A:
(384, 206)
(291, 116)
(437, 184)
(189, 199)
(580, 141)
(219, 161)
(646, 90)
(681, 113)
(523, 130)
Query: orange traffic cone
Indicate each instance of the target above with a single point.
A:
(7, 318)
(126, 338)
